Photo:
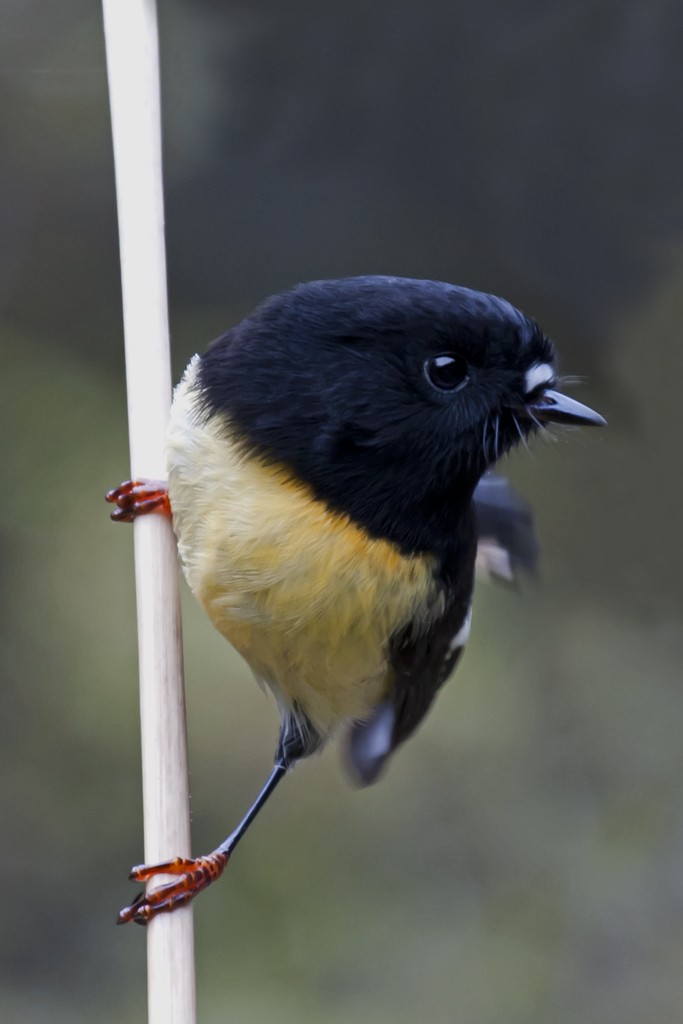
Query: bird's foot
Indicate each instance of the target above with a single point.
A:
(135, 498)
(194, 874)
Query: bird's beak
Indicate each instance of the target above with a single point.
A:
(552, 407)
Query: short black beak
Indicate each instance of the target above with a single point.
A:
(552, 407)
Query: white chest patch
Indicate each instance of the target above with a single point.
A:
(462, 636)
(538, 375)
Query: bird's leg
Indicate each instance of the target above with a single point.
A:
(137, 498)
(194, 874)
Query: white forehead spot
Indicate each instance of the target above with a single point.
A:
(538, 375)
(462, 636)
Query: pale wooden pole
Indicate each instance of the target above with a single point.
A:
(133, 70)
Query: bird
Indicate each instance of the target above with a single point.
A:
(331, 487)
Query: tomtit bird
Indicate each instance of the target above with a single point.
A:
(327, 467)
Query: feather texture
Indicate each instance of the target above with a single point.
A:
(308, 598)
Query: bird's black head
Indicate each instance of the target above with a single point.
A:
(388, 396)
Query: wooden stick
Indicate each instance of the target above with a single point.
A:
(133, 69)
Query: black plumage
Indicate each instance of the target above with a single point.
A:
(371, 410)
(328, 379)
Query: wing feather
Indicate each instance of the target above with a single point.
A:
(421, 662)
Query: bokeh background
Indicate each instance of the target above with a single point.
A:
(522, 861)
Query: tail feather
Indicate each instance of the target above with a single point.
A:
(370, 743)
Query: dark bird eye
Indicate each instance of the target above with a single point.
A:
(447, 372)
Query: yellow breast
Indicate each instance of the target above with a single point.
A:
(304, 594)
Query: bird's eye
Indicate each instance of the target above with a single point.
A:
(446, 372)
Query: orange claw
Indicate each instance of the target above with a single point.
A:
(137, 498)
(194, 876)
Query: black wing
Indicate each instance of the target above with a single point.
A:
(504, 543)
(421, 662)
(505, 525)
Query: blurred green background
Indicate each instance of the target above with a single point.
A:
(522, 861)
